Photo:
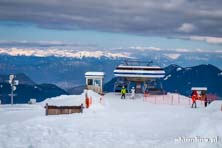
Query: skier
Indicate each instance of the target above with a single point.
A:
(133, 93)
(194, 96)
(123, 93)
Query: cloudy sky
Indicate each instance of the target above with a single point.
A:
(167, 24)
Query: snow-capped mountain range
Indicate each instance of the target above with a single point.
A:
(161, 56)
(66, 67)
(61, 53)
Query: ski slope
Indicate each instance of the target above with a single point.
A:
(112, 123)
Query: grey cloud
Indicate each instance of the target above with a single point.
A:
(45, 44)
(143, 17)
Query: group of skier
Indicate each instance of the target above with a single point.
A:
(195, 96)
(123, 93)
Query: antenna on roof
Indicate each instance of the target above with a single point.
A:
(126, 62)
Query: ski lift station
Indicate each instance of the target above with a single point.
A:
(200, 90)
(139, 74)
(94, 81)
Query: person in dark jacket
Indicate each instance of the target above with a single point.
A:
(205, 100)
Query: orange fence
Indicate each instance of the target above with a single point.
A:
(171, 99)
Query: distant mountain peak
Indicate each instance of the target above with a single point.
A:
(23, 79)
(204, 75)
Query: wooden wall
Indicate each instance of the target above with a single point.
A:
(56, 110)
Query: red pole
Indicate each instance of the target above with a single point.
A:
(90, 102)
(87, 100)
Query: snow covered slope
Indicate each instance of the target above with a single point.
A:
(114, 123)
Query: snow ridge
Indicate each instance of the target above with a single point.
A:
(62, 53)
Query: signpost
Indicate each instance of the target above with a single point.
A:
(13, 84)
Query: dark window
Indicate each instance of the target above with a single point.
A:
(97, 82)
(90, 81)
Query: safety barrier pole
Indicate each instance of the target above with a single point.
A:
(178, 99)
(46, 111)
(145, 96)
(90, 101)
(101, 98)
(82, 107)
(172, 100)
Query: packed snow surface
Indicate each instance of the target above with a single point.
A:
(112, 123)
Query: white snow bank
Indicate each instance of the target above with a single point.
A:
(214, 106)
(65, 100)
(120, 124)
(69, 100)
(210, 127)
(76, 100)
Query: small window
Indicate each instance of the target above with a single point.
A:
(90, 82)
(97, 82)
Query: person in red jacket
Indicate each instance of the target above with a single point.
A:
(194, 96)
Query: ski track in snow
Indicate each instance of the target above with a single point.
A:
(115, 123)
